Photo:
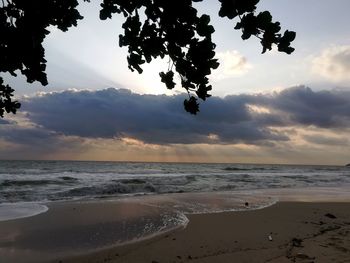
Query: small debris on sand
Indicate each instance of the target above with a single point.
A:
(296, 242)
(329, 215)
(304, 256)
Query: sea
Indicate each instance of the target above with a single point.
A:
(162, 193)
(41, 181)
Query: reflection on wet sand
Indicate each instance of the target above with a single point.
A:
(75, 227)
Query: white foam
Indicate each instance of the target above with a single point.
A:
(10, 211)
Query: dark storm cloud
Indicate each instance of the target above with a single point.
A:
(112, 113)
(326, 109)
(150, 118)
(3, 122)
(33, 142)
(27, 135)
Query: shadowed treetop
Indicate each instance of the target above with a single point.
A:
(152, 29)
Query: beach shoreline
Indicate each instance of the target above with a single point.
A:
(284, 232)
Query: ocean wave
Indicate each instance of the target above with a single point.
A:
(111, 189)
(131, 181)
(37, 181)
(68, 178)
(249, 169)
(236, 169)
(18, 196)
(7, 183)
(40, 182)
(226, 187)
(11, 211)
(244, 178)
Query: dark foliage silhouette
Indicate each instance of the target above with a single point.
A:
(152, 28)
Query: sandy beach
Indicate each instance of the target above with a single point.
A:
(284, 232)
(300, 232)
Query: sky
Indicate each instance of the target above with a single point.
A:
(266, 108)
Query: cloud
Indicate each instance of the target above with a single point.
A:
(293, 125)
(303, 106)
(3, 122)
(327, 140)
(160, 119)
(232, 64)
(333, 63)
(152, 119)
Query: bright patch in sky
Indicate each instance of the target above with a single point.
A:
(232, 64)
(333, 63)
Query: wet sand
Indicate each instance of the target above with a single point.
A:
(70, 228)
(299, 231)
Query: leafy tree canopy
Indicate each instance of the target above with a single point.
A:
(152, 29)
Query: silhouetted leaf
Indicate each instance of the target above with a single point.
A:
(191, 105)
(167, 78)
